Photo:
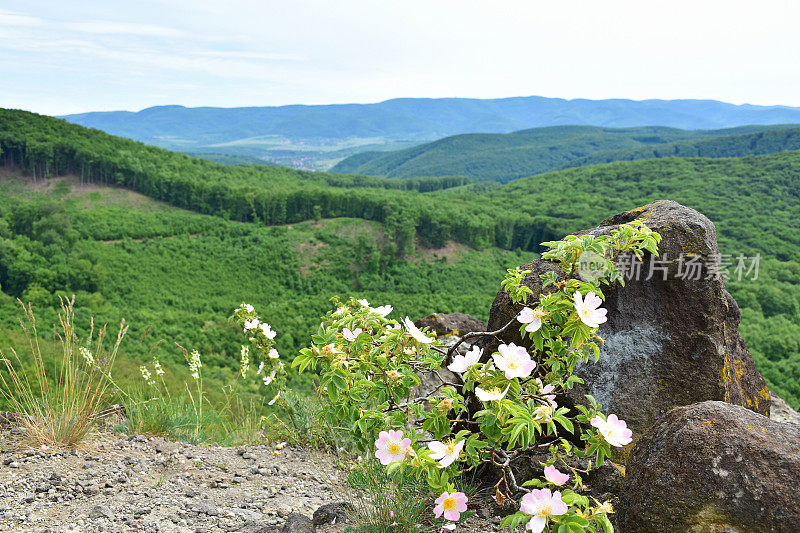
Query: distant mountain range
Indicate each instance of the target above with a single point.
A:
(316, 136)
(506, 157)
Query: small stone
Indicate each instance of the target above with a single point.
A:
(332, 513)
(141, 511)
(101, 511)
(206, 508)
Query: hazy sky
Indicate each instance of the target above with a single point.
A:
(61, 57)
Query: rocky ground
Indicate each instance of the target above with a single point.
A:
(120, 483)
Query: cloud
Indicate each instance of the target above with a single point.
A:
(105, 27)
(10, 18)
(123, 48)
(92, 27)
(232, 54)
(88, 54)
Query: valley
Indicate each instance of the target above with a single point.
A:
(188, 240)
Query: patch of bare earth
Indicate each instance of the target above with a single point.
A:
(307, 253)
(450, 252)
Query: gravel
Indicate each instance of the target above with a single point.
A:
(116, 483)
(119, 483)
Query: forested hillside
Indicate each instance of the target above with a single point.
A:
(155, 267)
(418, 119)
(506, 157)
(273, 195)
(176, 276)
(317, 137)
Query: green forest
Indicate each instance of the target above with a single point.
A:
(173, 244)
(506, 157)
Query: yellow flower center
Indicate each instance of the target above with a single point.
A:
(449, 504)
(393, 448)
(545, 511)
(494, 391)
(538, 314)
(606, 508)
(450, 447)
(511, 364)
(585, 313)
(330, 349)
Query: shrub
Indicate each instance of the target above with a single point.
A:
(369, 366)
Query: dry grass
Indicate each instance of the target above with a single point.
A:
(57, 401)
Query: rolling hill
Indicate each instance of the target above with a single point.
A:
(505, 157)
(194, 238)
(307, 135)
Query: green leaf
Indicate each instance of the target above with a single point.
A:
(565, 423)
(606, 523)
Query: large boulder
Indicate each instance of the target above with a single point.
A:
(780, 411)
(713, 467)
(454, 324)
(448, 328)
(670, 340)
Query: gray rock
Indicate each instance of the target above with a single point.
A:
(451, 324)
(297, 523)
(206, 508)
(780, 411)
(659, 331)
(713, 467)
(141, 511)
(101, 511)
(332, 513)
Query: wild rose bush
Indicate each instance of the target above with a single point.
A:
(369, 365)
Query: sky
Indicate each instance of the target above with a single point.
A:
(68, 57)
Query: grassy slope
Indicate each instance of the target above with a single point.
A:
(503, 158)
(183, 273)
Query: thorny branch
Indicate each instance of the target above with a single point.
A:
(449, 356)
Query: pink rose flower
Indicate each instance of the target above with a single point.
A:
(555, 477)
(614, 430)
(589, 310)
(451, 505)
(392, 447)
(514, 360)
(541, 505)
